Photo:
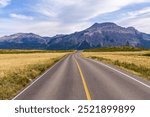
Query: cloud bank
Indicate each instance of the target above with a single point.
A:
(51, 17)
(4, 3)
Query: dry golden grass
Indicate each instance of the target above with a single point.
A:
(17, 70)
(20, 61)
(136, 62)
(128, 57)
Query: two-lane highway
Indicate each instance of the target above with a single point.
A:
(77, 78)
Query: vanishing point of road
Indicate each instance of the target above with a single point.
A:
(77, 78)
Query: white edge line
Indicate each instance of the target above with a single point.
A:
(120, 73)
(38, 78)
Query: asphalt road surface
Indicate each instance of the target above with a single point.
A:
(77, 78)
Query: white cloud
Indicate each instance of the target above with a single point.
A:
(138, 12)
(142, 24)
(4, 3)
(139, 19)
(74, 15)
(20, 16)
(44, 28)
(79, 10)
(67, 16)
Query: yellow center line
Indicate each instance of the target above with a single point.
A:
(84, 82)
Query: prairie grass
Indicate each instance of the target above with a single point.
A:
(114, 49)
(16, 51)
(136, 61)
(17, 70)
(147, 54)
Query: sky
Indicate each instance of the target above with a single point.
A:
(52, 17)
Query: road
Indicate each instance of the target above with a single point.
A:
(77, 78)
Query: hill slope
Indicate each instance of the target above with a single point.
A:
(98, 35)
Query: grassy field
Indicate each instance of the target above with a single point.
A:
(31, 51)
(17, 70)
(115, 49)
(137, 62)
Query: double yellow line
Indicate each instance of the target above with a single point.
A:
(84, 82)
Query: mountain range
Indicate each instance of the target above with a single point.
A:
(98, 35)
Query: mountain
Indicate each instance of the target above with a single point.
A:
(101, 35)
(98, 35)
(23, 41)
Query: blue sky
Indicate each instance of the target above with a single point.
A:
(51, 17)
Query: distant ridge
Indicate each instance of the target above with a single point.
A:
(106, 34)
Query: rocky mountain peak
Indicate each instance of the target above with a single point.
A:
(101, 25)
(27, 35)
(98, 35)
(20, 36)
(98, 27)
(131, 29)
